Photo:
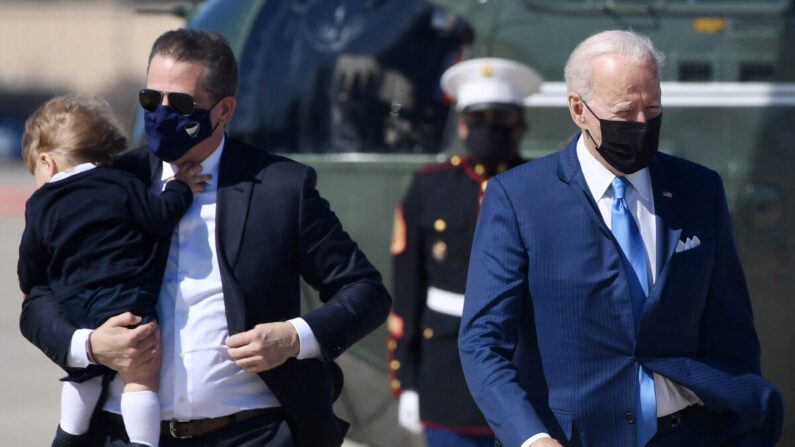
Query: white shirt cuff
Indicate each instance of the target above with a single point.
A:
(78, 358)
(309, 346)
(535, 438)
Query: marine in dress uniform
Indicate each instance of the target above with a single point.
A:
(432, 235)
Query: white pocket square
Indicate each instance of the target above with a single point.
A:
(688, 244)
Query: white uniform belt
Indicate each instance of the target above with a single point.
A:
(445, 302)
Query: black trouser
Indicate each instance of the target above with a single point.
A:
(259, 431)
(694, 430)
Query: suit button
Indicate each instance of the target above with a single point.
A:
(629, 417)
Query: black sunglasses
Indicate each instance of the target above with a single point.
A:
(150, 100)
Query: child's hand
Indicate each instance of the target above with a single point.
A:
(189, 173)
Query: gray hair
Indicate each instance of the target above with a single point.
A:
(579, 71)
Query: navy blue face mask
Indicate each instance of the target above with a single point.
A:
(171, 135)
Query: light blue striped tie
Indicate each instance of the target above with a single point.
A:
(628, 236)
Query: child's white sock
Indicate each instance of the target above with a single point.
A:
(141, 413)
(77, 404)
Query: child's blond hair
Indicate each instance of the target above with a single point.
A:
(81, 129)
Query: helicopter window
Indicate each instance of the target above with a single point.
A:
(322, 76)
(695, 72)
(756, 72)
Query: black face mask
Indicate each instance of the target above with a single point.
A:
(491, 143)
(628, 146)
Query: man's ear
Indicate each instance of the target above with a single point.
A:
(227, 109)
(463, 130)
(577, 110)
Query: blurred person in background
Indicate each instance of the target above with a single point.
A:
(432, 235)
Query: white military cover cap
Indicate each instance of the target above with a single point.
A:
(490, 80)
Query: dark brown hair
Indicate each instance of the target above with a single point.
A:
(210, 49)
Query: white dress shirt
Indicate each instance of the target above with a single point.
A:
(640, 201)
(198, 378)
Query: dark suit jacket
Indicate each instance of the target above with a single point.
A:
(96, 250)
(425, 342)
(272, 229)
(547, 339)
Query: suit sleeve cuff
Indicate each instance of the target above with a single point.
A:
(310, 348)
(78, 358)
(535, 438)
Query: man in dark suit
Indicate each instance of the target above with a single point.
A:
(432, 235)
(605, 303)
(240, 365)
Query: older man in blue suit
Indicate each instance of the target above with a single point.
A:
(605, 302)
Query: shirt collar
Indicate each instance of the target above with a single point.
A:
(210, 165)
(599, 177)
(83, 167)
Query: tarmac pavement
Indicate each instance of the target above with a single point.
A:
(29, 386)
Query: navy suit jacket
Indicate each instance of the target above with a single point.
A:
(547, 339)
(272, 228)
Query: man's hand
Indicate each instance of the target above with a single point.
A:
(409, 411)
(546, 442)
(189, 174)
(265, 347)
(123, 349)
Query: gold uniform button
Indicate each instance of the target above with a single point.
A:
(439, 251)
(439, 225)
(395, 384)
(427, 333)
(392, 345)
(483, 184)
(394, 364)
(480, 169)
(455, 160)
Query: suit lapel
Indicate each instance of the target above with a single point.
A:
(570, 172)
(234, 195)
(155, 169)
(668, 227)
